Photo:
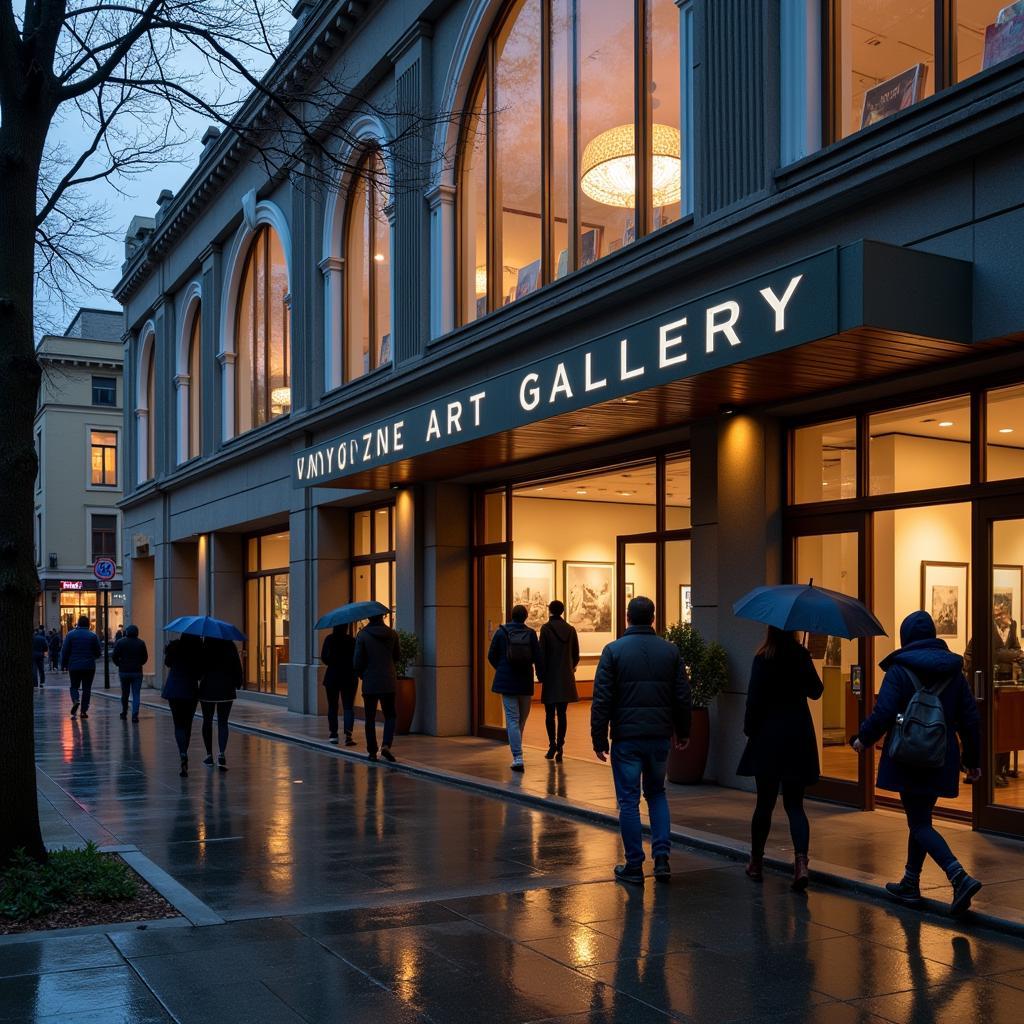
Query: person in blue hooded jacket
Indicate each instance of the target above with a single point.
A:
(932, 662)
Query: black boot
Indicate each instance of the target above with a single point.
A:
(662, 869)
(905, 891)
(631, 873)
(184, 766)
(965, 888)
(551, 752)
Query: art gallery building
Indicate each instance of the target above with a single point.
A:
(501, 359)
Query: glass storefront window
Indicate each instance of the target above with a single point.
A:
(677, 493)
(361, 525)
(824, 462)
(491, 521)
(267, 612)
(1004, 415)
(382, 530)
(678, 583)
(921, 446)
(373, 564)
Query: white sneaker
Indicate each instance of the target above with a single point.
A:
(518, 765)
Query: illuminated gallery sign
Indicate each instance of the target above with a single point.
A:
(791, 306)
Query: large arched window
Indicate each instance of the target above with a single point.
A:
(367, 271)
(263, 353)
(195, 392)
(150, 424)
(568, 91)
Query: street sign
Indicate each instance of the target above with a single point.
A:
(104, 585)
(104, 569)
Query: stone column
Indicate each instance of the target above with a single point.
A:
(441, 201)
(333, 270)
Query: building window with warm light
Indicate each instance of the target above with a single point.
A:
(103, 458)
(263, 374)
(566, 95)
(368, 270)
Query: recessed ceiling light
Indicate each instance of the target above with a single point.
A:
(629, 401)
(540, 488)
(625, 494)
(1006, 430)
(945, 423)
(378, 257)
(581, 490)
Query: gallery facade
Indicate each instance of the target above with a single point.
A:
(502, 358)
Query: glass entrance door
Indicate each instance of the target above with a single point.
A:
(995, 663)
(833, 557)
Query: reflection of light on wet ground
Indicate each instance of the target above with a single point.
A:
(408, 972)
(581, 942)
(68, 730)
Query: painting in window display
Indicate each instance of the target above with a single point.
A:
(898, 93)
(1006, 589)
(685, 603)
(589, 589)
(533, 586)
(944, 597)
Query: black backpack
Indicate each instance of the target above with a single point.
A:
(918, 739)
(519, 650)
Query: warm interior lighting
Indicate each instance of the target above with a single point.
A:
(481, 280)
(378, 257)
(581, 490)
(1006, 430)
(945, 423)
(608, 166)
(625, 494)
(281, 397)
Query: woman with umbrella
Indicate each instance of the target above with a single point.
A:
(782, 747)
(181, 690)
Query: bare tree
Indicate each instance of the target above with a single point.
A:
(127, 70)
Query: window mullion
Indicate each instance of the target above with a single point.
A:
(495, 272)
(546, 144)
(371, 290)
(574, 137)
(642, 123)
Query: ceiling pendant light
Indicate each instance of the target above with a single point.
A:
(608, 166)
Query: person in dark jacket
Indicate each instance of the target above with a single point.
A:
(560, 654)
(40, 648)
(514, 654)
(78, 656)
(54, 644)
(642, 692)
(376, 654)
(782, 748)
(181, 689)
(218, 686)
(340, 680)
(924, 657)
(130, 655)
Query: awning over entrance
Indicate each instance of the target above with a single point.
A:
(840, 317)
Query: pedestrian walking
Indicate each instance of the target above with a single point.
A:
(218, 686)
(78, 656)
(130, 655)
(374, 659)
(642, 693)
(118, 635)
(340, 680)
(40, 649)
(923, 706)
(514, 654)
(559, 654)
(181, 690)
(54, 642)
(782, 748)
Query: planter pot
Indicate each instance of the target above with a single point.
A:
(405, 704)
(686, 767)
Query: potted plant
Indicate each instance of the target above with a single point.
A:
(405, 697)
(707, 667)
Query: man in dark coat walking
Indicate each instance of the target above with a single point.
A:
(641, 690)
(54, 644)
(78, 655)
(514, 654)
(40, 648)
(340, 681)
(130, 655)
(376, 655)
(922, 656)
(560, 654)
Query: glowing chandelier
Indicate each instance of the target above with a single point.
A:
(608, 167)
(281, 397)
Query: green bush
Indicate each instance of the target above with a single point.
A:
(706, 663)
(29, 889)
(408, 651)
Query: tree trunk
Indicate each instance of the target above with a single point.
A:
(19, 583)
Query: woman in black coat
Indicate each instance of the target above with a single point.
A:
(340, 680)
(559, 654)
(181, 689)
(782, 748)
(222, 676)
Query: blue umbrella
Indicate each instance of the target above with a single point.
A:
(351, 613)
(798, 607)
(204, 625)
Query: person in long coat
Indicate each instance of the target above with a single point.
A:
(218, 686)
(559, 654)
(181, 690)
(340, 680)
(513, 679)
(376, 655)
(923, 656)
(782, 748)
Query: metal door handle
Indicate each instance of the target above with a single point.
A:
(979, 684)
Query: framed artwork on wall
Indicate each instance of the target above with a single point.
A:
(945, 597)
(589, 595)
(1006, 588)
(533, 585)
(685, 602)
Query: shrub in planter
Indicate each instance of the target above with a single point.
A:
(708, 670)
(405, 700)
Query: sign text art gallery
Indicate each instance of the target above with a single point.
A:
(791, 306)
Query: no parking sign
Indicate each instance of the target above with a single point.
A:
(104, 569)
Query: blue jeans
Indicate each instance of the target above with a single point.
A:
(637, 763)
(517, 711)
(131, 685)
(39, 669)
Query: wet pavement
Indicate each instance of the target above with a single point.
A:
(356, 891)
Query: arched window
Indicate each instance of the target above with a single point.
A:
(367, 300)
(263, 353)
(150, 425)
(195, 393)
(567, 92)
